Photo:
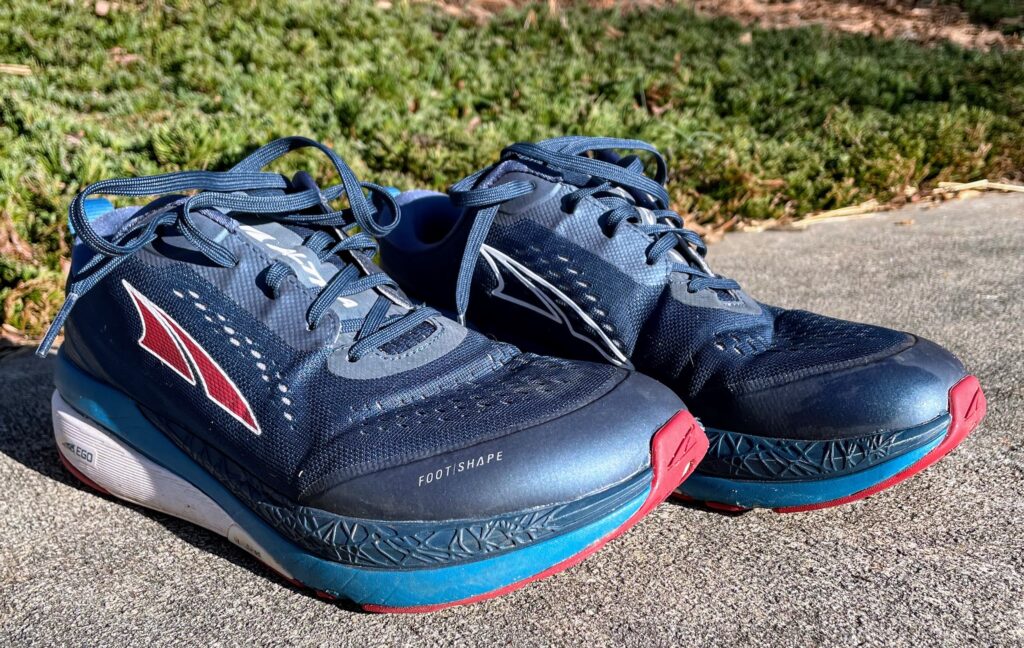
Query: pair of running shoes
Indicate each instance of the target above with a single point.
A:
(235, 355)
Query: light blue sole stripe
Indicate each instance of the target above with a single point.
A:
(119, 415)
(763, 494)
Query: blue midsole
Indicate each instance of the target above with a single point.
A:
(776, 494)
(119, 415)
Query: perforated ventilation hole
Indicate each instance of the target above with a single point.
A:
(244, 346)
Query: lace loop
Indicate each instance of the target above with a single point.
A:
(362, 211)
(619, 183)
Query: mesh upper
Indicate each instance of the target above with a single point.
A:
(804, 343)
(715, 342)
(525, 391)
(316, 425)
(701, 348)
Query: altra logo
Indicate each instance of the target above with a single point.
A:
(172, 345)
(548, 306)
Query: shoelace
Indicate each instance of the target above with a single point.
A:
(618, 183)
(232, 191)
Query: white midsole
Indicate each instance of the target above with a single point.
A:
(129, 475)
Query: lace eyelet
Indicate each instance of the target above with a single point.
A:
(566, 207)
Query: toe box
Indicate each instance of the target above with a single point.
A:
(592, 448)
(893, 391)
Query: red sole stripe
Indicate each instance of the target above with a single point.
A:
(80, 477)
(966, 408)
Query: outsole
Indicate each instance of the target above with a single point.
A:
(967, 408)
(676, 449)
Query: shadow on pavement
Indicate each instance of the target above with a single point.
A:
(26, 436)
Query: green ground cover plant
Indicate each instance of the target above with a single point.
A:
(1005, 14)
(756, 124)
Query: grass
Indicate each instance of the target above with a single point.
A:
(756, 125)
(1005, 14)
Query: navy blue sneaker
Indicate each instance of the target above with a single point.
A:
(566, 248)
(232, 356)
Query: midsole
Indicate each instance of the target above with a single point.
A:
(737, 456)
(772, 494)
(110, 414)
(371, 543)
(126, 473)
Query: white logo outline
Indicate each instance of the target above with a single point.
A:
(534, 283)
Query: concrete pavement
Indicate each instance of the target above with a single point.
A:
(938, 560)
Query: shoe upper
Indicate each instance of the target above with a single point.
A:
(248, 321)
(564, 247)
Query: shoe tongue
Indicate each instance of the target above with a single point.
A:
(678, 256)
(285, 242)
(512, 166)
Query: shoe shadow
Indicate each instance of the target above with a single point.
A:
(26, 436)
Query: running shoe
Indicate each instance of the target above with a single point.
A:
(233, 357)
(569, 247)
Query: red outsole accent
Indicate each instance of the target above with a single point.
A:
(966, 408)
(78, 474)
(716, 506)
(676, 449)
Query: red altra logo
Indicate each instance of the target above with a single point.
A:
(173, 346)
